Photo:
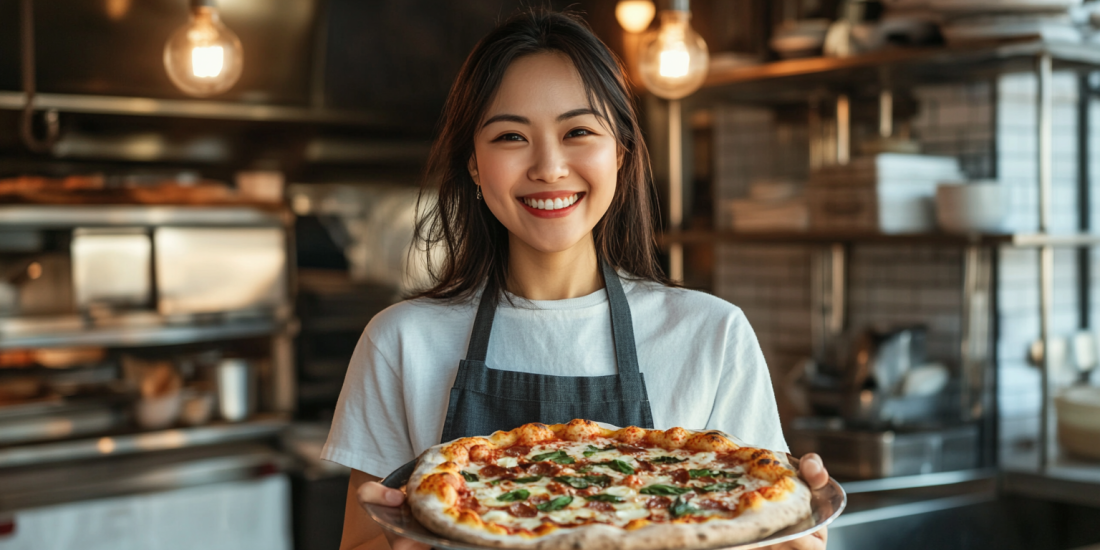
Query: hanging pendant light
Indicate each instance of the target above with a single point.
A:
(203, 58)
(673, 58)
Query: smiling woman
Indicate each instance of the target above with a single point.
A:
(539, 113)
(537, 151)
(548, 283)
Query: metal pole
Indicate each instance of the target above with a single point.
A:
(843, 130)
(675, 189)
(1044, 71)
(886, 113)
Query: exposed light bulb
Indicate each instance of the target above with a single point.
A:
(673, 58)
(204, 57)
(635, 15)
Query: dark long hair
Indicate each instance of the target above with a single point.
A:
(474, 244)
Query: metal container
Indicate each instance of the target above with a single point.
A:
(236, 389)
(205, 270)
(858, 454)
(112, 267)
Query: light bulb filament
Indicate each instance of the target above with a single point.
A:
(675, 61)
(207, 61)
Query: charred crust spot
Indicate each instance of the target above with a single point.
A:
(701, 536)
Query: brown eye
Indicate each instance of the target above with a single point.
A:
(579, 132)
(510, 137)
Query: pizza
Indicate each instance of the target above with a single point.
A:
(580, 485)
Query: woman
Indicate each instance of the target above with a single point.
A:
(545, 218)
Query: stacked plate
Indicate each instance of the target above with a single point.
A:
(978, 20)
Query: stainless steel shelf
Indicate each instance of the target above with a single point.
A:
(40, 216)
(801, 78)
(135, 331)
(99, 447)
(143, 106)
(50, 484)
(819, 237)
(918, 481)
(1065, 479)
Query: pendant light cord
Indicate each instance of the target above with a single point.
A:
(27, 129)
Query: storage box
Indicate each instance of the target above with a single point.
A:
(888, 193)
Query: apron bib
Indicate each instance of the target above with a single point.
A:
(485, 400)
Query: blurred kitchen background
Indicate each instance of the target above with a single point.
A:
(898, 193)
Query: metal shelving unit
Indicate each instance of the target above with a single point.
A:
(210, 110)
(131, 331)
(61, 216)
(812, 79)
(162, 440)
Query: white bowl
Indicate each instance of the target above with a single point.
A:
(970, 207)
(154, 413)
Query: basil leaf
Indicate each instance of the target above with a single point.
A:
(574, 482)
(667, 460)
(592, 449)
(513, 496)
(529, 479)
(602, 497)
(469, 477)
(586, 468)
(664, 490)
(679, 507)
(704, 473)
(618, 466)
(713, 487)
(601, 480)
(556, 504)
(558, 456)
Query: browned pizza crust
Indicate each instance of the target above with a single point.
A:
(435, 486)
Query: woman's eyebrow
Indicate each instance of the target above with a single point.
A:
(577, 112)
(505, 117)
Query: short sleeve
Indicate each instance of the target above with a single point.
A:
(745, 403)
(369, 429)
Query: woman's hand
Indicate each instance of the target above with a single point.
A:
(812, 470)
(375, 493)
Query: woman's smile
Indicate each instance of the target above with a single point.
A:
(551, 204)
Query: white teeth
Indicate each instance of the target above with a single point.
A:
(554, 204)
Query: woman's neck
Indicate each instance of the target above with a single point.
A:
(538, 275)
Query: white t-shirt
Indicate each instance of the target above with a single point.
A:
(701, 361)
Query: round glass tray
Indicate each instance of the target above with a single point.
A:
(826, 504)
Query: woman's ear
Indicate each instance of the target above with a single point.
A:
(472, 167)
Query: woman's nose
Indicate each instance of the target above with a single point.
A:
(549, 164)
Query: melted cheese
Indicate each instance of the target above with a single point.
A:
(633, 505)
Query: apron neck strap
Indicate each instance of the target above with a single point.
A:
(622, 327)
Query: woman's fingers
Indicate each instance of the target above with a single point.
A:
(407, 544)
(373, 492)
(812, 470)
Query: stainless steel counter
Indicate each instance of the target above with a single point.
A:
(145, 442)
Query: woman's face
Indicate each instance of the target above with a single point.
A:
(546, 163)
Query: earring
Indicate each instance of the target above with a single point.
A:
(479, 192)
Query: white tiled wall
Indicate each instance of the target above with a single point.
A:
(991, 127)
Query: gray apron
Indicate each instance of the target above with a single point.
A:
(485, 400)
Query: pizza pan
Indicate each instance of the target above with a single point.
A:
(826, 503)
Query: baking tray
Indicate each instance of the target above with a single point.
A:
(826, 503)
